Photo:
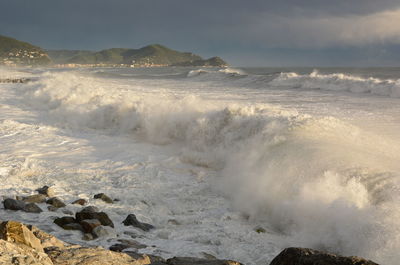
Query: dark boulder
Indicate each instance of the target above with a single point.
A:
(80, 202)
(32, 208)
(90, 209)
(103, 197)
(133, 221)
(89, 224)
(62, 221)
(11, 204)
(198, 261)
(306, 256)
(56, 202)
(101, 216)
(46, 190)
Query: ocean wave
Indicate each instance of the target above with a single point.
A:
(217, 73)
(338, 82)
(321, 181)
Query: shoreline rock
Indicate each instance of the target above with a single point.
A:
(307, 256)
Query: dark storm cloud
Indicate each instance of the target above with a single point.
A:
(225, 27)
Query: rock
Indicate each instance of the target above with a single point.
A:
(306, 256)
(16, 232)
(89, 224)
(11, 204)
(260, 229)
(91, 256)
(101, 216)
(46, 239)
(37, 198)
(46, 190)
(173, 222)
(90, 209)
(73, 226)
(103, 197)
(198, 261)
(18, 254)
(51, 208)
(80, 202)
(32, 208)
(132, 243)
(132, 221)
(88, 237)
(126, 244)
(62, 221)
(103, 231)
(66, 211)
(56, 202)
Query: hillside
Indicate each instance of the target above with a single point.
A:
(62, 56)
(151, 55)
(14, 52)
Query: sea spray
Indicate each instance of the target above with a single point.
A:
(318, 180)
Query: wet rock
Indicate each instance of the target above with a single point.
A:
(132, 243)
(89, 224)
(103, 231)
(198, 261)
(66, 211)
(133, 221)
(80, 202)
(305, 256)
(90, 209)
(56, 202)
(37, 198)
(11, 204)
(16, 232)
(62, 221)
(260, 229)
(88, 237)
(46, 190)
(91, 256)
(173, 222)
(73, 226)
(32, 208)
(119, 247)
(103, 197)
(101, 216)
(51, 208)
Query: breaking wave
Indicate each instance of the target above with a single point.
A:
(314, 80)
(339, 82)
(319, 181)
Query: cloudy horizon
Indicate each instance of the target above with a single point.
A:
(251, 33)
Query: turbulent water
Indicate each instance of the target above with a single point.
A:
(209, 156)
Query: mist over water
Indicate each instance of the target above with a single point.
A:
(310, 155)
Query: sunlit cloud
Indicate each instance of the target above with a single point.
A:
(327, 31)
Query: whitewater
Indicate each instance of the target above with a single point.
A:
(211, 157)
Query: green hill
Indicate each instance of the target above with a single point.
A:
(15, 52)
(62, 56)
(151, 55)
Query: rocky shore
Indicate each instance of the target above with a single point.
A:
(25, 244)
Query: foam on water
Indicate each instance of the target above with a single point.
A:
(315, 181)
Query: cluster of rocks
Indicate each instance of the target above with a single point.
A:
(15, 80)
(26, 244)
(92, 222)
(23, 245)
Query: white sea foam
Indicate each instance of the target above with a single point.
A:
(339, 82)
(316, 181)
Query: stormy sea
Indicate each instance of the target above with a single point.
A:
(236, 163)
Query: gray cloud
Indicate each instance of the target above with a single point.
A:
(207, 27)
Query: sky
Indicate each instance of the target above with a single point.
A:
(243, 32)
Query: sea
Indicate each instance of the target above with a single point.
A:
(235, 163)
